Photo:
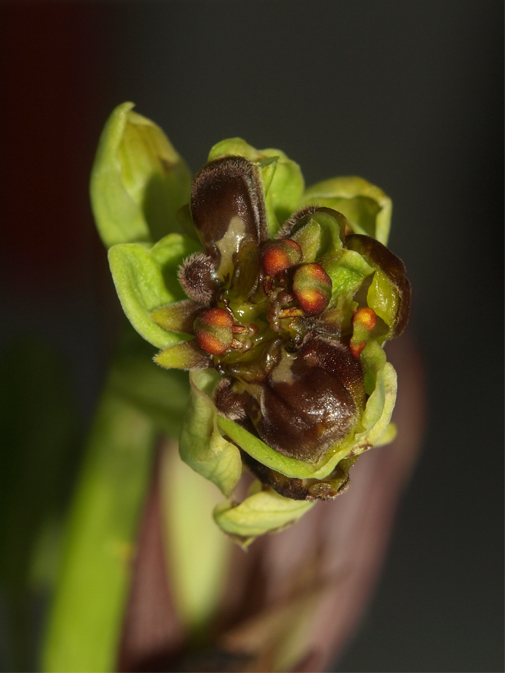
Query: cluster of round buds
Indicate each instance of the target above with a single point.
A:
(311, 285)
(268, 317)
(363, 324)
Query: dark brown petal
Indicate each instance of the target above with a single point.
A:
(304, 489)
(308, 401)
(378, 256)
(228, 207)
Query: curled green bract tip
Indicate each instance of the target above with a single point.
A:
(276, 299)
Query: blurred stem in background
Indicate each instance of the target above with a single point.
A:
(138, 403)
(277, 606)
(40, 440)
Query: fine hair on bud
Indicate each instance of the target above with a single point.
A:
(197, 277)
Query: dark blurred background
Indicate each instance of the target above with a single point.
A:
(407, 94)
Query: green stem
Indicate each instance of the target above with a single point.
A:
(86, 617)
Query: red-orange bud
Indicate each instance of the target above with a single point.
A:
(214, 331)
(277, 256)
(312, 288)
(357, 348)
(365, 317)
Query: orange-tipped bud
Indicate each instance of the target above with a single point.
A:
(357, 348)
(365, 317)
(277, 256)
(312, 288)
(214, 331)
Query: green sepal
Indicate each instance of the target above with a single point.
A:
(332, 227)
(268, 168)
(260, 513)
(379, 409)
(366, 207)
(138, 180)
(320, 234)
(290, 467)
(201, 445)
(282, 180)
(383, 297)
(236, 147)
(347, 272)
(372, 359)
(146, 279)
(285, 190)
(388, 436)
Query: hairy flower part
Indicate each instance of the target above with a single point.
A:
(198, 278)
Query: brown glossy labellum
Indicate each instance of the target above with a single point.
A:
(228, 208)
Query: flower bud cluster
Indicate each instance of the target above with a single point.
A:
(283, 325)
(277, 299)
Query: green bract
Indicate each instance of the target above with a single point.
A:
(277, 299)
(146, 277)
(138, 182)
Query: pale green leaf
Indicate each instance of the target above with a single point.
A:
(379, 409)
